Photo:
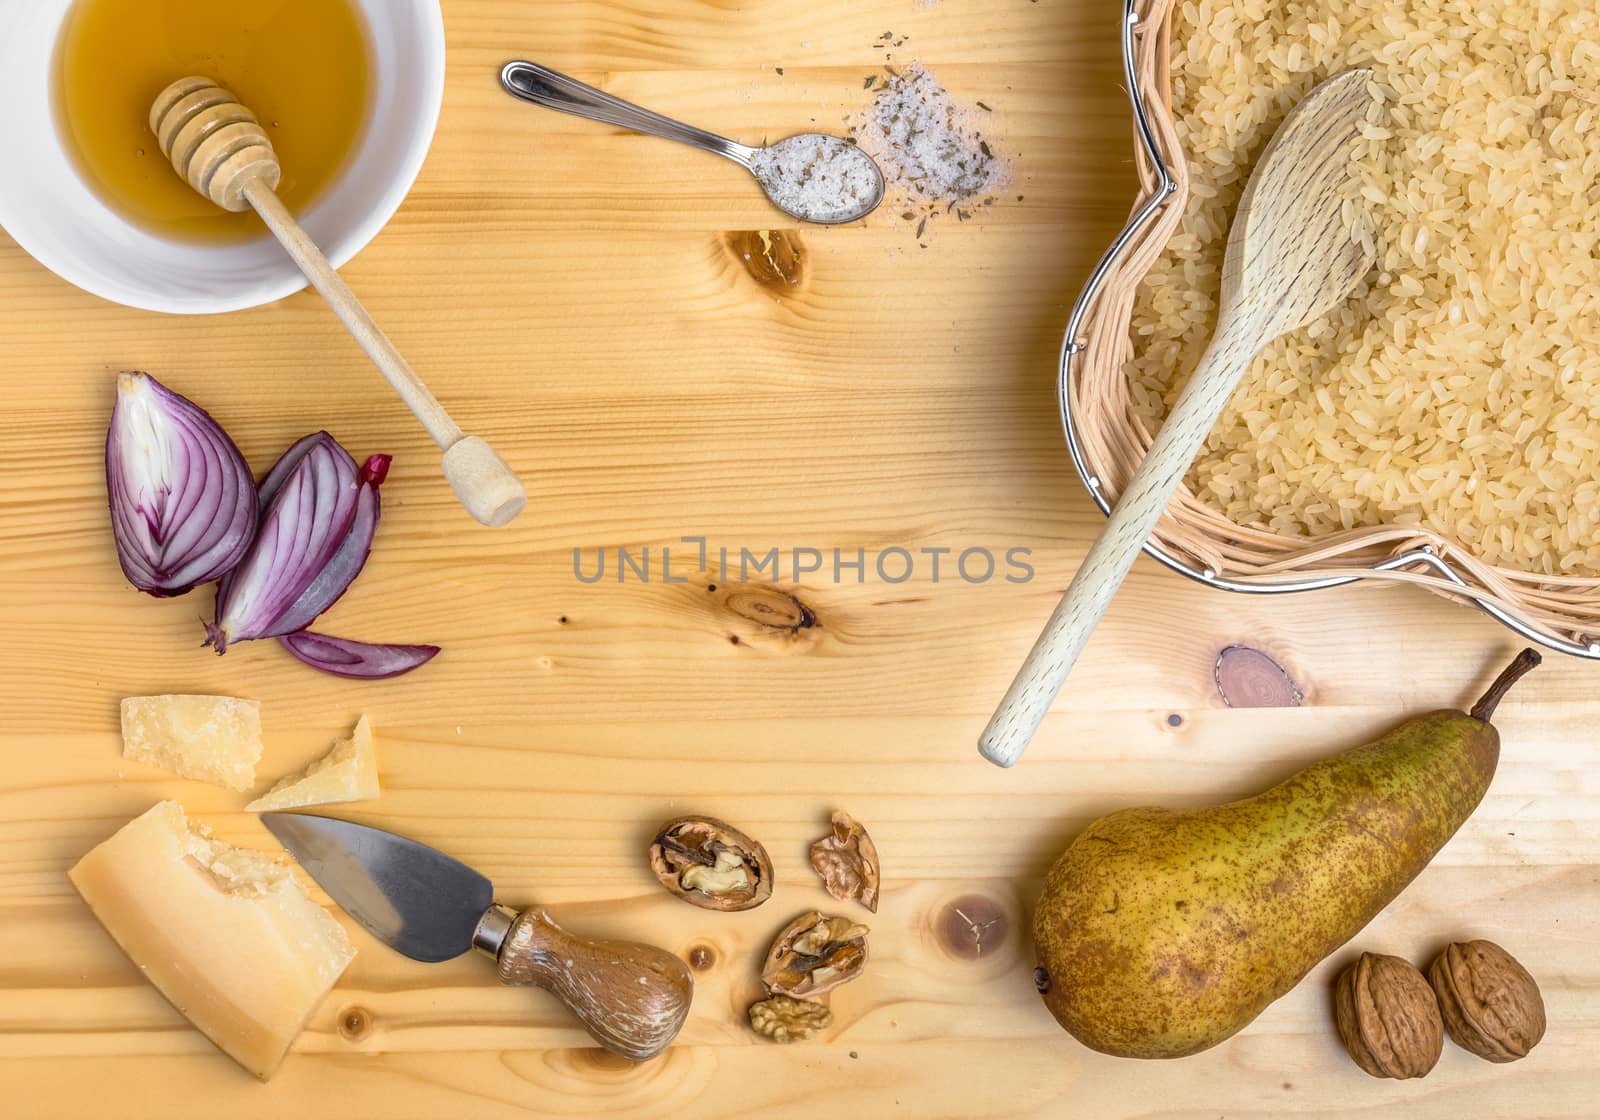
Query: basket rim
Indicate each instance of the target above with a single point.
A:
(1426, 565)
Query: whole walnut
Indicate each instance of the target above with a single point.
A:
(1387, 1017)
(1491, 1005)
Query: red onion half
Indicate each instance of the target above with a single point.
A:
(183, 501)
(346, 658)
(320, 512)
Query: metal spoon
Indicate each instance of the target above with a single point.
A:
(773, 166)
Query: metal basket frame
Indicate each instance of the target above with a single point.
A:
(1074, 344)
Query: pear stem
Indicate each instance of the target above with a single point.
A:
(1483, 710)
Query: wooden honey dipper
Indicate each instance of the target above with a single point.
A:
(221, 150)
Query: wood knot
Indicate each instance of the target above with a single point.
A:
(775, 258)
(702, 958)
(972, 926)
(1248, 678)
(355, 1023)
(594, 1061)
(758, 617)
(772, 609)
(764, 617)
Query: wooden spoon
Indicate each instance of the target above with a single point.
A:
(219, 147)
(1292, 257)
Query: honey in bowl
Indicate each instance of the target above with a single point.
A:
(302, 66)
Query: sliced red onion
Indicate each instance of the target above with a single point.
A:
(291, 459)
(183, 501)
(335, 579)
(346, 658)
(303, 528)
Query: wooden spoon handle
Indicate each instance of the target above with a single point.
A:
(483, 482)
(632, 998)
(1132, 521)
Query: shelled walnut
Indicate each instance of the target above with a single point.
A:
(785, 1019)
(847, 861)
(1491, 1005)
(711, 864)
(813, 954)
(1387, 1017)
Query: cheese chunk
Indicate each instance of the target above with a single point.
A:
(349, 772)
(227, 934)
(214, 739)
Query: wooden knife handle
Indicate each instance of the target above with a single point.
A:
(632, 998)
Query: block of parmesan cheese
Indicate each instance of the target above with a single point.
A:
(227, 934)
(349, 772)
(213, 739)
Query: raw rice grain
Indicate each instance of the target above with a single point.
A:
(1459, 388)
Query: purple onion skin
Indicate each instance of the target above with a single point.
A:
(303, 527)
(182, 500)
(344, 657)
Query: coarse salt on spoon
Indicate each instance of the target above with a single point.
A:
(220, 149)
(813, 177)
(1292, 257)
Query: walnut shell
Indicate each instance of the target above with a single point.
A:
(1491, 1005)
(847, 861)
(813, 954)
(1387, 1017)
(711, 864)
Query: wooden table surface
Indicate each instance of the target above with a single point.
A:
(582, 297)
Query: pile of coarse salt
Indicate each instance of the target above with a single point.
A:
(930, 149)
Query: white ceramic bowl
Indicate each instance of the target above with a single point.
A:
(48, 209)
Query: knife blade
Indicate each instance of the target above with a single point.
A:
(413, 898)
(632, 998)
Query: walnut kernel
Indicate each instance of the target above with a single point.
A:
(847, 861)
(727, 876)
(784, 1019)
(711, 864)
(814, 954)
(1387, 1017)
(1491, 1005)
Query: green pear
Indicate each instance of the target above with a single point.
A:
(1161, 933)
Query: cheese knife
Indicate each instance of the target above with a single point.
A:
(632, 998)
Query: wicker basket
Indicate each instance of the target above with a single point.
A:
(1107, 440)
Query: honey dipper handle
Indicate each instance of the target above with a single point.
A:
(1111, 557)
(483, 482)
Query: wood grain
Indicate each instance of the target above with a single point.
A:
(573, 294)
(483, 483)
